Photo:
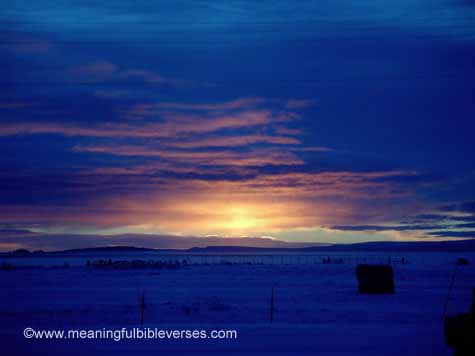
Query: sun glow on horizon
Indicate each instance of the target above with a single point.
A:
(238, 219)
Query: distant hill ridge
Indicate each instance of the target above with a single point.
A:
(383, 246)
(379, 246)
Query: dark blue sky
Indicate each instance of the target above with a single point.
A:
(306, 121)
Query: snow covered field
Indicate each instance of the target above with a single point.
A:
(317, 307)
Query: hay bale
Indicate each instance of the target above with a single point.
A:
(462, 261)
(375, 279)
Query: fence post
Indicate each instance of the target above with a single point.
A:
(142, 308)
(272, 306)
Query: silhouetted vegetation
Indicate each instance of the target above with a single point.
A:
(135, 264)
(7, 267)
(327, 260)
(20, 251)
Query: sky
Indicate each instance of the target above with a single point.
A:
(310, 121)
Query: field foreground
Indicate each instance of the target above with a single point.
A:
(317, 307)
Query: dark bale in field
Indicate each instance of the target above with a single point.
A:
(462, 261)
(375, 279)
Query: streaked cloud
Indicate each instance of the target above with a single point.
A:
(300, 103)
(257, 205)
(257, 157)
(24, 43)
(168, 125)
(146, 110)
(463, 207)
(102, 70)
(14, 105)
(235, 141)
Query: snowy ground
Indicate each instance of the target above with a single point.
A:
(318, 309)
